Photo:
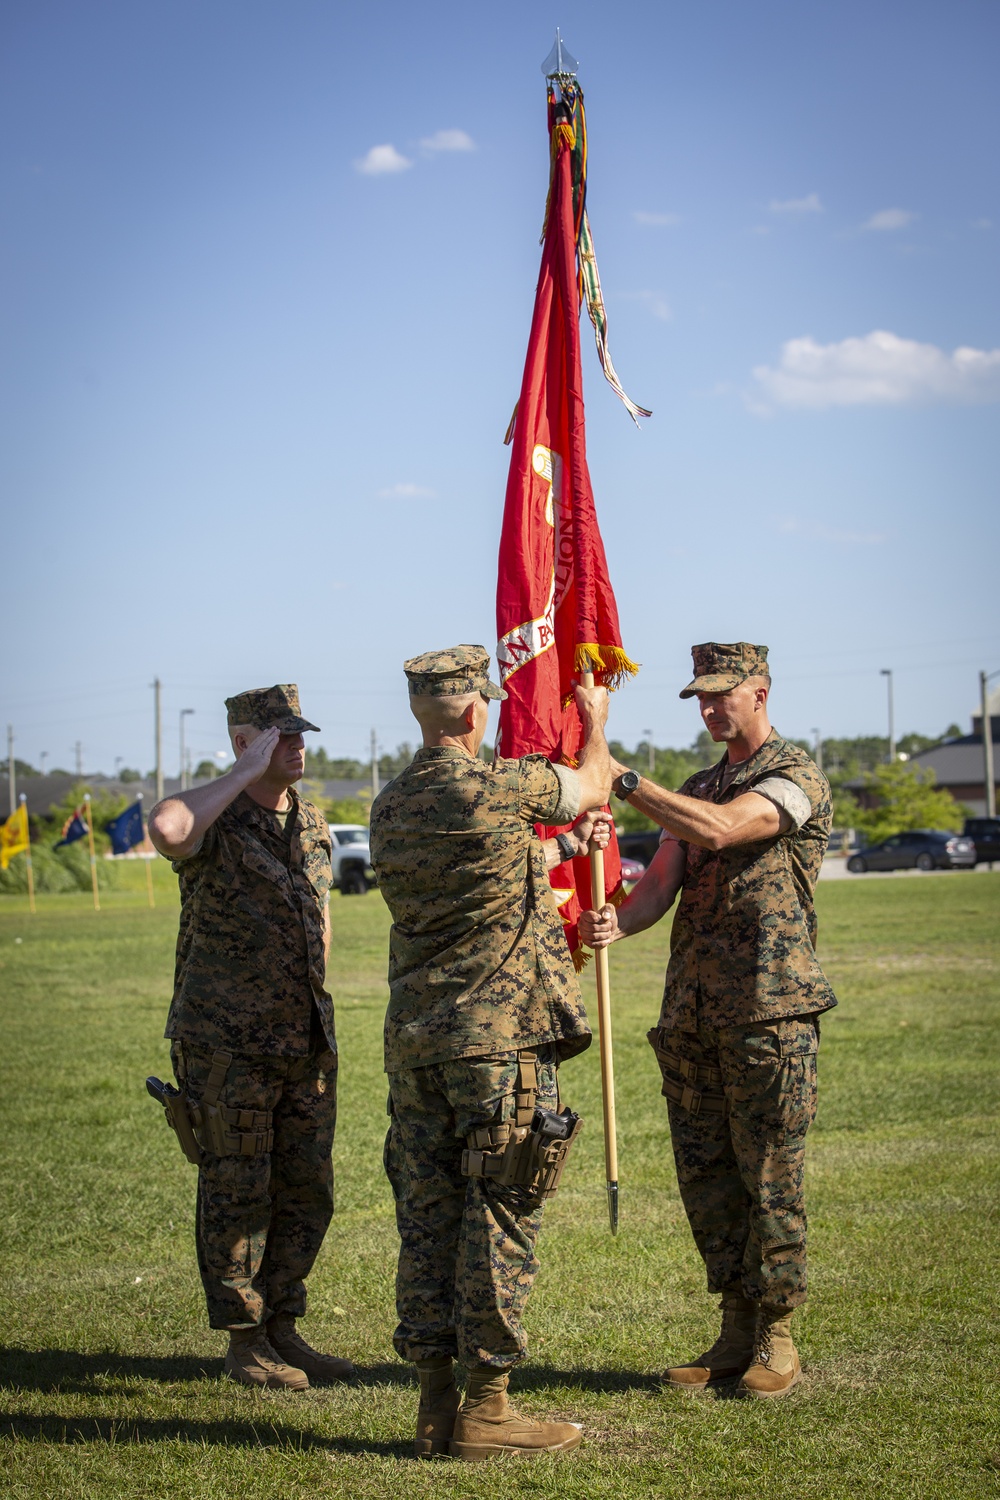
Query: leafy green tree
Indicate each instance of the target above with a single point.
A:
(346, 809)
(129, 773)
(905, 797)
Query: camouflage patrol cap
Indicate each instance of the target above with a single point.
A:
(462, 669)
(718, 669)
(264, 707)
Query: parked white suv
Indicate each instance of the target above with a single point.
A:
(352, 859)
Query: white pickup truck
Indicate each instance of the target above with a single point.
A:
(352, 859)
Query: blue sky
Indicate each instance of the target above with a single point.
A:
(254, 391)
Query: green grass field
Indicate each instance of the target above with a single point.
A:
(112, 1383)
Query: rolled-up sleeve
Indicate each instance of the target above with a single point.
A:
(549, 793)
(788, 798)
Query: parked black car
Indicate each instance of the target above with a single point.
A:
(985, 834)
(922, 848)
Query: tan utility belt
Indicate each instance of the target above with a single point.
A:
(210, 1127)
(528, 1152)
(696, 1087)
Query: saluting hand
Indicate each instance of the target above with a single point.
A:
(256, 758)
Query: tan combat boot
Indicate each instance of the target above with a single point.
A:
(439, 1401)
(731, 1353)
(487, 1427)
(775, 1367)
(292, 1347)
(252, 1360)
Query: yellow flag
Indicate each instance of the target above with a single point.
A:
(13, 836)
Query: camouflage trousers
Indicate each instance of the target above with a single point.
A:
(467, 1246)
(740, 1174)
(261, 1219)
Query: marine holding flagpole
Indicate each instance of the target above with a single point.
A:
(484, 1005)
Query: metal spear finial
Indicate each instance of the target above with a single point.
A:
(560, 62)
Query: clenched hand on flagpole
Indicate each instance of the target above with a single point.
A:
(556, 614)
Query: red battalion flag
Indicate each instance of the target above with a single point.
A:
(556, 611)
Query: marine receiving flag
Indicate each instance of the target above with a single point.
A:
(556, 611)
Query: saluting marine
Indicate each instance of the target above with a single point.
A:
(483, 1006)
(252, 1036)
(738, 1030)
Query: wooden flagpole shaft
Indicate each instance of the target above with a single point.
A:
(604, 1032)
(31, 873)
(93, 852)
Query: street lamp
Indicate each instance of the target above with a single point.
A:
(818, 755)
(184, 712)
(649, 745)
(43, 756)
(886, 672)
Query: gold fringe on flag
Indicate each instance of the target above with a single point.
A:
(612, 662)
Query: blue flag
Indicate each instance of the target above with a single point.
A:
(74, 828)
(125, 831)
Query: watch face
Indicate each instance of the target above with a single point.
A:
(627, 783)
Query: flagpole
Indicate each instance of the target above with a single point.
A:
(597, 900)
(31, 874)
(93, 852)
(148, 862)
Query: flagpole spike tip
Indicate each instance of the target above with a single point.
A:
(613, 1206)
(560, 62)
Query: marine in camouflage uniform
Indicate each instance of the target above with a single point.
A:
(481, 986)
(251, 1028)
(738, 1030)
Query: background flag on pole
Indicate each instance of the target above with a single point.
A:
(126, 830)
(13, 836)
(74, 828)
(556, 611)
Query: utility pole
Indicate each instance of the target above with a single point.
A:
(43, 756)
(990, 784)
(375, 777)
(78, 752)
(652, 753)
(886, 672)
(158, 733)
(818, 752)
(184, 711)
(11, 778)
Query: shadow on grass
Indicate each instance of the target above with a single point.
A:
(68, 1370)
(128, 1430)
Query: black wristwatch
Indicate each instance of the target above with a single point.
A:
(568, 848)
(628, 782)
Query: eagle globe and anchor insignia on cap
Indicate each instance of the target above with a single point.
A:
(719, 668)
(264, 708)
(459, 670)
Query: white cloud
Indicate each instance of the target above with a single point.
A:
(890, 218)
(880, 369)
(448, 140)
(808, 205)
(382, 159)
(642, 217)
(405, 492)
